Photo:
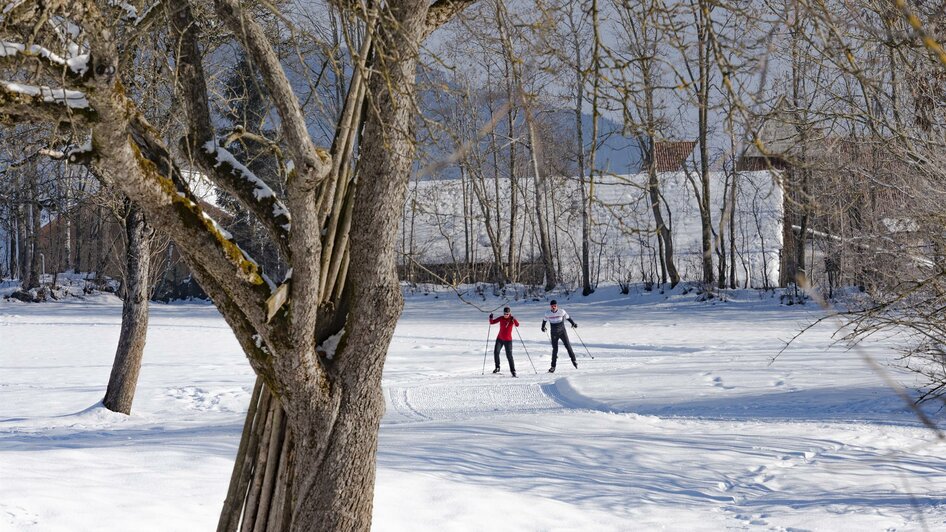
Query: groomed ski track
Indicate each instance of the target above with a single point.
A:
(496, 395)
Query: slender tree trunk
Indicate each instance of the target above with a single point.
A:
(799, 101)
(23, 243)
(487, 209)
(545, 243)
(131, 342)
(721, 239)
(703, 101)
(580, 150)
(34, 212)
(732, 230)
(665, 236)
(660, 256)
(65, 219)
(101, 237)
(467, 220)
(512, 79)
(79, 226)
(511, 270)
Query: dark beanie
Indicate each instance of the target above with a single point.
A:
(505, 309)
(553, 302)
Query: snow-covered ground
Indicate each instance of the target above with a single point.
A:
(682, 421)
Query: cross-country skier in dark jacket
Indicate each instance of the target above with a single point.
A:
(504, 338)
(556, 318)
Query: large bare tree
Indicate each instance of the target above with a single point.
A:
(317, 339)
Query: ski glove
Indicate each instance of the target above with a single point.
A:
(490, 316)
(543, 325)
(574, 325)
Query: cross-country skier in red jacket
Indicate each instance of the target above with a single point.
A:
(504, 338)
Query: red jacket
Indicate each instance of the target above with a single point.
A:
(505, 327)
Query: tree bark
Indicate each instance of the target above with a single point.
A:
(33, 213)
(706, 220)
(325, 472)
(131, 342)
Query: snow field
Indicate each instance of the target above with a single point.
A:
(681, 422)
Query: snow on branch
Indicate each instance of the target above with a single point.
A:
(29, 102)
(75, 154)
(69, 98)
(76, 66)
(131, 13)
(240, 181)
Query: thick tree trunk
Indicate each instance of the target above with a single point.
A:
(131, 342)
(307, 462)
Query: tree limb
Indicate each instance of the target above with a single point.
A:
(73, 70)
(443, 11)
(199, 143)
(42, 104)
(311, 165)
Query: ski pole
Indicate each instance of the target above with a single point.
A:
(582, 342)
(486, 351)
(526, 350)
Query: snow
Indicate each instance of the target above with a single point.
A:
(330, 345)
(682, 421)
(261, 191)
(77, 63)
(72, 99)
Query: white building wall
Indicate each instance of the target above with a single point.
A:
(623, 227)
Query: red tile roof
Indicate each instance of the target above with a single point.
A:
(670, 155)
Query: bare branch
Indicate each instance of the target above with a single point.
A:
(312, 164)
(931, 44)
(215, 161)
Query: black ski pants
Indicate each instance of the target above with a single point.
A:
(558, 333)
(508, 345)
